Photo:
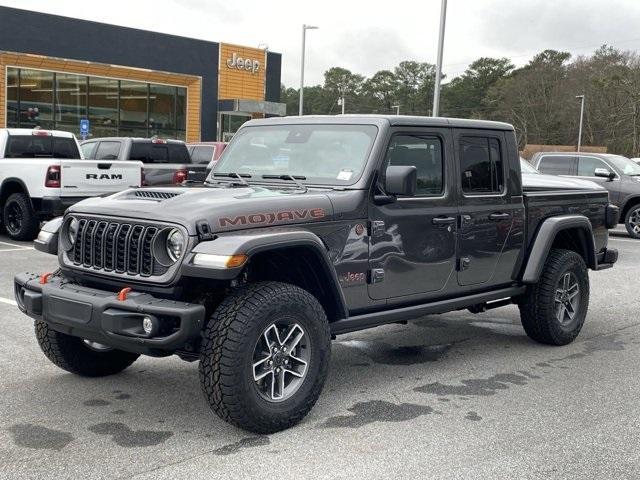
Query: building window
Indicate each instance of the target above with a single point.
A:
(70, 100)
(113, 107)
(36, 99)
(103, 107)
(12, 97)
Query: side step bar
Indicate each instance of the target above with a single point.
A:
(375, 319)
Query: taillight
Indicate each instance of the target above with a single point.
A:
(180, 176)
(52, 180)
(143, 180)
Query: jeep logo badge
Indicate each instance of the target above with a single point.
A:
(240, 63)
(104, 176)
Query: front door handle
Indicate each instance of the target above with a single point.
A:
(499, 216)
(439, 221)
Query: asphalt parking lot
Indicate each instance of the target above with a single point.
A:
(449, 396)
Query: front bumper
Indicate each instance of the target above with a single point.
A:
(99, 316)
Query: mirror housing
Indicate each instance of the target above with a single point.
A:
(401, 180)
(604, 173)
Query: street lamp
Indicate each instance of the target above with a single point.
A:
(436, 88)
(305, 27)
(397, 107)
(581, 97)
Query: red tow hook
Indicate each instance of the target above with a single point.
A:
(44, 278)
(122, 294)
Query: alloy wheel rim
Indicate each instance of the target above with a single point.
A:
(280, 361)
(567, 298)
(634, 221)
(14, 218)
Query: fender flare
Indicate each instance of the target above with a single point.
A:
(251, 243)
(19, 182)
(545, 237)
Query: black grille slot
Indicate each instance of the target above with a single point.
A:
(117, 247)
(155, 195)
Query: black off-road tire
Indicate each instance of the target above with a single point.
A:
(632, 214)
(228, 344)
(538, 305)
(73, 355)
(29, 225)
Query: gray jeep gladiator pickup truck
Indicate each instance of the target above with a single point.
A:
(307, 228)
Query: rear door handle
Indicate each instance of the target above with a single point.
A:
(499, 216)
(443, 221)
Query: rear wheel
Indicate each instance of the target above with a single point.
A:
(265, 356)
(18, 217)
(82, 357)
(554, 309)
(632, 221)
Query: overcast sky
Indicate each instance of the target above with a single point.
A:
(366, 36)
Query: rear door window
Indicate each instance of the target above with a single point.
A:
(481, 167)
(108, 151)
(558, 164)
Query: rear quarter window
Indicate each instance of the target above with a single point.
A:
(159, 152)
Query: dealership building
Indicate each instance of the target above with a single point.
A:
(56, 71)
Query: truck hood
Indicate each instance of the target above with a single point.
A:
(532, 182)
(223, 209)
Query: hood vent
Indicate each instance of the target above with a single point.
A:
(154, 195)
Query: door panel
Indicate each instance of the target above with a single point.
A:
(486, 212)
(412, 241)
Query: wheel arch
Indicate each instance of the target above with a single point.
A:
(292, 256)
(628, 204)
(571, 232)
(10, 186)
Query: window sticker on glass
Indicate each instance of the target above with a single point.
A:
(345, 174)
(281, 161)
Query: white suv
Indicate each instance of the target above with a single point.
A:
(42, 172)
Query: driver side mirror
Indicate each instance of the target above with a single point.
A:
(604, 173)
(401, 180)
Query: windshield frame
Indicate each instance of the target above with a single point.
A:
(256, 176)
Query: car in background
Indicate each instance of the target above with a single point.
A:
(635, 159)
(618, 174)
(205, 153)
(165, 162)
(43, 173)
(527, 168)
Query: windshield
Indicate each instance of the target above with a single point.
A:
(314, 154)
(625, 165)
(526, 167)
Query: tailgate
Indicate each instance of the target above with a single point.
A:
(88, 178)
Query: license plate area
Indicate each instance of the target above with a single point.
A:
(65, 311)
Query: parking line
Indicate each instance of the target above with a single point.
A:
(8, 301)
(15, 249)
(14, 245)
(629, 240)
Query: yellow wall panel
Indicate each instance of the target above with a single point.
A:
(240, 80)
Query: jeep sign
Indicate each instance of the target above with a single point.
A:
(240, 63)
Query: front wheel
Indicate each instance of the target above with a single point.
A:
(632, 221)
(265, 356)
(554, 309)
(81, 357)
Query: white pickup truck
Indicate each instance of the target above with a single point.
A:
(42, 172)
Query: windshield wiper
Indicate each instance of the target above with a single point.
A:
(240, 176)
(286, 176)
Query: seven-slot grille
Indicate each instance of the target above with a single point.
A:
(116, 247)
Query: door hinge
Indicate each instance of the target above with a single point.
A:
(377, 228)
(377, 275)
(465, 220)
(464, 263)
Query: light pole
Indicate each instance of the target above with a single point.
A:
(305, 27)
(436, 88)
(397, 107)
(581, 97)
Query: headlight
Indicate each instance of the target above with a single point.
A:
(72, 230)
(175, 244)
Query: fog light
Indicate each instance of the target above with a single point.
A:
(148, 325)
